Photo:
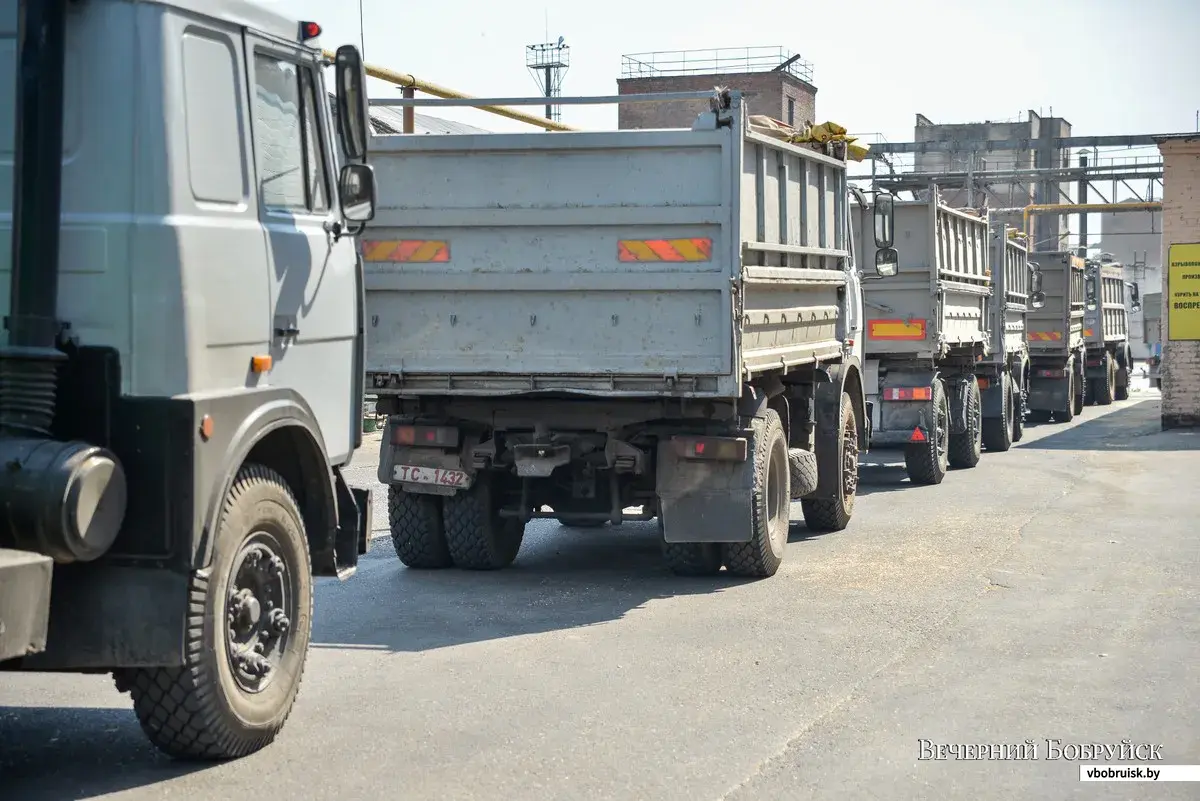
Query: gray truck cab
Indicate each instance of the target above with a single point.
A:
(181, 361)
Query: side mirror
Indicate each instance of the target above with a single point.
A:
(887, 262)
(1037, 300)
(885, 221)
(356, 188)
(352, 102)
(1135, 297)
(1090, 293)
(1035, 277)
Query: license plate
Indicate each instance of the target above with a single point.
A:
(412, 474)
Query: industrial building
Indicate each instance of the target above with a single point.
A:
(1181, 329)
(778, 83)
(1135, 240)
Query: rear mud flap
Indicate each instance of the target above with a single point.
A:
(704, 501)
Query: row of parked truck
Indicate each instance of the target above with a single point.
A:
(702, 324)
(698, 327)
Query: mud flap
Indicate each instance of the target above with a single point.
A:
(992, 398)
(959, 401)
(704, 501)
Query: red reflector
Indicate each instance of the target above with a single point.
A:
(917, 435)
(984, 383)
(404, 435)
(699, 449)
(309, 30)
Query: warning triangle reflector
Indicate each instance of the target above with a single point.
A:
(917, 435)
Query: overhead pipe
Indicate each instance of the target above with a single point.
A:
(408, 81)
(1071, 208)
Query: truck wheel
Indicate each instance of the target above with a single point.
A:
(1103, 390)
(927, 462)
(1068, 414)
(690, 558)
(998, 431)
(1125, 370)
(248, 628)
(418, 534)
(1081, 386)
(478, 537)
(769, 516)
(833, 514)
(966, 448)
(580, 522)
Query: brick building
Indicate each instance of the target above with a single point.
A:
(1180, 226)
(781, 84)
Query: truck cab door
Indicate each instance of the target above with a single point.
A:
(312, 272)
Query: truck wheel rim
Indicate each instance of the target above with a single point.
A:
(777, 503)
(258, 612)
(943, 430)
(849, 458)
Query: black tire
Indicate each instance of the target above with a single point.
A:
(763, 554)
(1081, 387)
(1103, 391)
(690, 558)
(1068, 414)
(1020, 405)
(927, 462)
(1125, 366)
(478, 537)
(966, 448)
(834, 513)
(580, 522)
(418, 533)
(998, 431)
(203, 710)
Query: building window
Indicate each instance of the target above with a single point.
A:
(791, 120)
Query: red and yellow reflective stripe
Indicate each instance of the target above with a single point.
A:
(1045, 336)
(693, 249)
(406, 250)
(896, 329)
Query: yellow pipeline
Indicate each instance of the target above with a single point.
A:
(406, 80)
(1071, 208)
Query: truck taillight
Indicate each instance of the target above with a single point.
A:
(908, 393)
(309, 30)
(425, 436)
(1051, 373)
(722, 449)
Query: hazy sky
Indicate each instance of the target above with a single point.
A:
(1108, 66)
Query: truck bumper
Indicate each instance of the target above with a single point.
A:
(24, 602)
(893, 422)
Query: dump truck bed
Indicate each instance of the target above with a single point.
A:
(938, 298)
(1110, 309)
(643, 263)
(1057, 327)
(1011, 294)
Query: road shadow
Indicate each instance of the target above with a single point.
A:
(1133, 427)
(563, 578)
(78, 752)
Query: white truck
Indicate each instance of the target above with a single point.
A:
(1109, 300)
(597, 321)
(180, 368)
(945, 353)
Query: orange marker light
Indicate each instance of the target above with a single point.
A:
(260, 364)
(206, 427)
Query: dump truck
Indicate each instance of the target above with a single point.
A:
(1107, 308)
(1152, 336)
(599, 327)
(181, 362)
(938, 339)
(1057, 346)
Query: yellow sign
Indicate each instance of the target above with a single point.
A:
(1183, 293)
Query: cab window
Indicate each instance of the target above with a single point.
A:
(290, 145)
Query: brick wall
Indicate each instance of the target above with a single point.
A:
(773, 90)
(1180, 225)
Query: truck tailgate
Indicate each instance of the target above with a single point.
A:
(595, 262)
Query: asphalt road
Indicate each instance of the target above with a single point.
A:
(1053, 592)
